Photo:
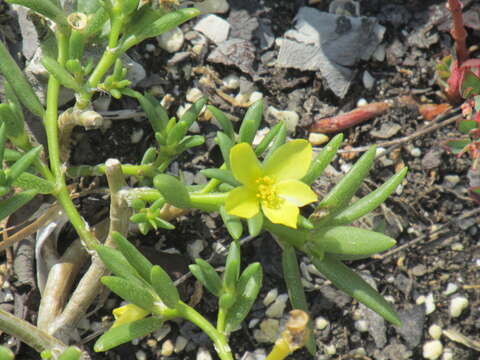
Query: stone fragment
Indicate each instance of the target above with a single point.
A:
(290, 118)
(278, 307)
(214, 28)
(432, 350)
(167, 348)
(368, 80)
(172, 40)
(457, 305)
(268, 332)
(235, 52)
(386, 131)
(435, 331)
(317, 139)
(212, 6)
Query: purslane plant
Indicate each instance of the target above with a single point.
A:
(257, 188)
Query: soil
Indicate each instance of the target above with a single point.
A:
(435, 222)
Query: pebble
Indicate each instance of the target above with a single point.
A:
(194, 94)
(136, 136)
(457, 305)
(330, 349)
(172, 40)
(429, 302)
(416, 152)
(345, 167)
(167, 348)
(268, 331)
(255, 96)
(278, 307)
(321, 323)
(451, 288)
(452, 179)
(435, 331)
(252, 323)
(214, 28)
(419, 270)
(368, 80)
(457, 246)
(379, 53)
(195, 248)
(150, 47)
(317, 139)
(140, 355)
(361, 325)
(270, 297)
(212, 6)
(290, 118)
(231, 81)
(203, 354)
(432, 349)
(180, 344)
(447, 354)
(362, 102)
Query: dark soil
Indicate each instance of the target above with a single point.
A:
(431, 216)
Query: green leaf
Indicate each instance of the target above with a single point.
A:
(27, 181)
(368, 203)
(189, 142)
(133, 256)
(223, 120)
(9, 206)
(225, 144)
(48, 9)
(248, 287)
(174, 192)
(457, 145)
(22, 164)
(296, 293)
(131, 292)
(14, 124)
(61, 74)
(278, 141)
(267, 140)
(232, 267)
(118, 264)
(127, 332)
(255, 224)
(232, 223)
(149, 156)
(15, 77)
(3, 138)
(465, 126)
(341, 194)
(470, 84)
(323, 159)
(163, 285)
(352, 284)
(71, 353)
(206, 274)
(158, 119)
(251, 122)
(351, 241)
(177, 133)
(6, 353)
(225, 176)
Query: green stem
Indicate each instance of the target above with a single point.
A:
(220, 341)
(200, 200)
(222, 316)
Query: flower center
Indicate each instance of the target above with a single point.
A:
(267, 192)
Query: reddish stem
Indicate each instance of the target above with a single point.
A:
(458, 32)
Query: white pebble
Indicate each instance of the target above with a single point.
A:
(330, 349)
(213, 27)
(242, 97)
(278, 307)
(321, 323)
(362, 102)
(212, 6)
(368, 80)
(268, 331)
(255, 96)
(447, 354)
(317, 139)
(435, 331)
(270, 297)
(429, 304)
(231, 81)
(194, 249)
(290, 118)
(361, 325)
(457, 246)
(172, 40)
(457, 305)
(416, 152)
(180, 344)
(150, 47)
(345, 167)
(194, 94)
(203, 354)
(162, 332)
(451, 288)
(167, 348)
(432, 350)
(140, 355)
(252, 323)
(136, 136)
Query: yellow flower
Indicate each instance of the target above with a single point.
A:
(127, 314)
(273, 186)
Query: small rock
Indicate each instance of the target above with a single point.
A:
(194, 94)
(290, 118)
(457, 246)
(362, 102)
(180, 344)
(231, 81)
(361, 325)
(330, 349)
(416, 152)
(150, 47)
(379, 53)
(278, 307)
(447, 354)
(213, 27)
(317, 139)
(203, 354)
(429, 304)
(255, 96)
(435, 331)
(451, 288)
(140, 355)
(172, 40)
(321, 323)
(136, 136)
(457, 305)
(452, 180)
(270, 297)
(162, 332)
(212, 6)
(252, 323)
(412, 325)
(235, 52)
(432, 350)
(194, 249)
(368, 80)
(167, 348)
(386, 131)
(419, 270)
(268, 332)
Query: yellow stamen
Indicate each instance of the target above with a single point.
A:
(267, 192)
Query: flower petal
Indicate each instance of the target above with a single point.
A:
(244, 164)
(242, 202)
(296, 192)
(286, 214)
(127, 314)
(289, 161)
